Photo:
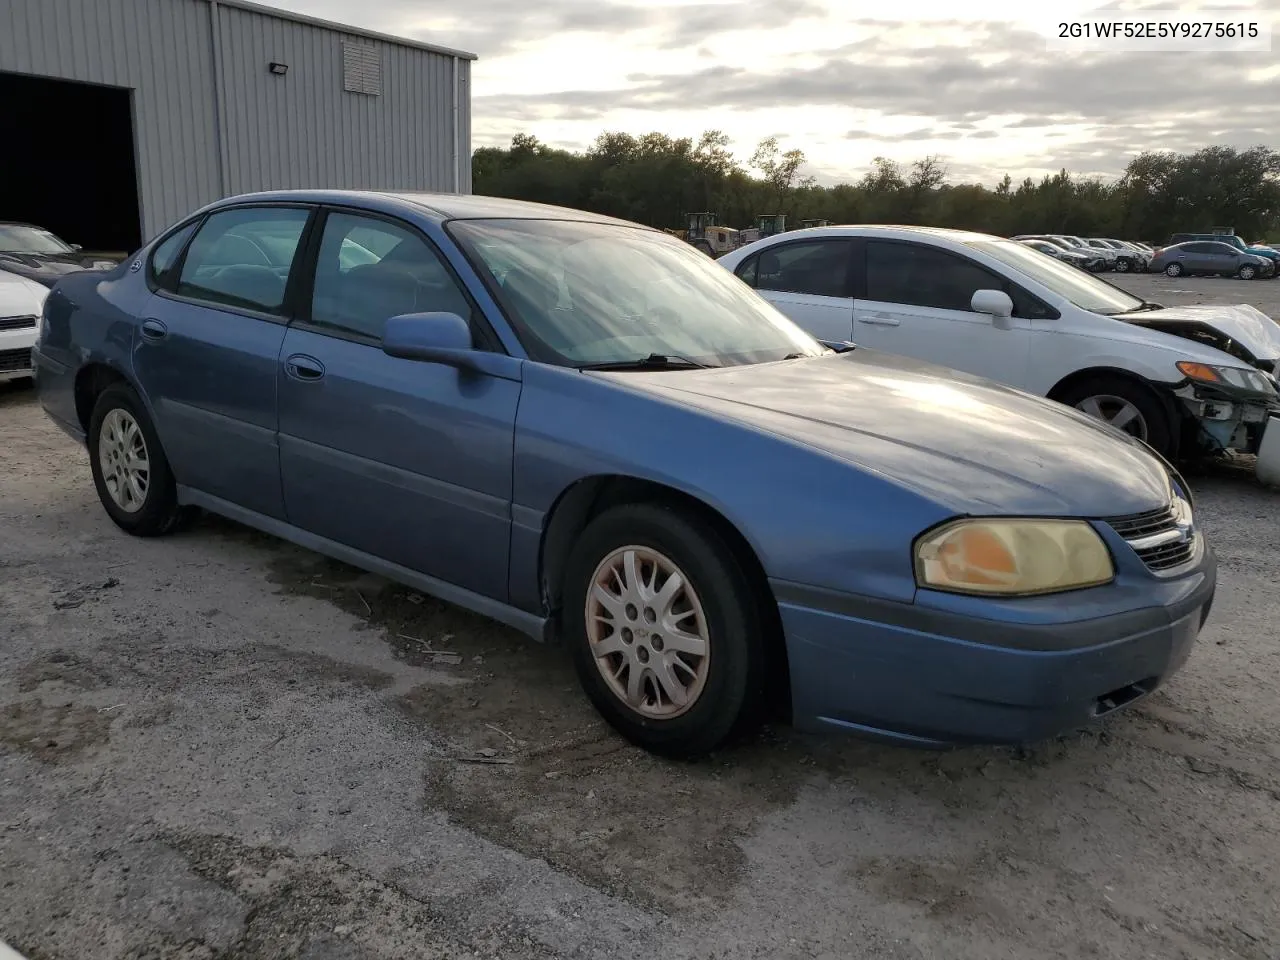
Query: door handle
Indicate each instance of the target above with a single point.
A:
(301, 367)
(153, 329)
(881, 320)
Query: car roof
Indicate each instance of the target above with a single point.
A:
(437, 206)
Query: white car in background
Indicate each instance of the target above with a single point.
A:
(21, 303)
(1194, 380)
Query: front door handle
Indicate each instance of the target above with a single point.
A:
(153, 329)
(880, 320)
(301, 367)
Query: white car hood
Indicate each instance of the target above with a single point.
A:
(1248, 326)
(20, 297)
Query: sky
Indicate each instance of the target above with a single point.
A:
(972, 82)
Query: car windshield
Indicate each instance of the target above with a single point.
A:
(588, 293)
(20, 238)
(1083, 289)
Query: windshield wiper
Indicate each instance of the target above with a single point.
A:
(654, 361)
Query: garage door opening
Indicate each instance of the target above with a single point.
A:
(68, 161)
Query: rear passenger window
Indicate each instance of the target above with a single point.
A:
(242, 258)
(166, 253)
(371, 270)
(819, 268)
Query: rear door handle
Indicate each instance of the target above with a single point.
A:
(301, 367)
(881, 320)
(153, 329)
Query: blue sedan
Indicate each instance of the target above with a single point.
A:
(589, 431)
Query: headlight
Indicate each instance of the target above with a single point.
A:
(1012, 557)
(1244, 378)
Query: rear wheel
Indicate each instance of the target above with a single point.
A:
(663, 629)
(1122, 266)
(1126, 405)
(129, 468)
(1173, 270)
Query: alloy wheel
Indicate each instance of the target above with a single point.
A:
(648, 632)
(123, 459)
(1118, 412)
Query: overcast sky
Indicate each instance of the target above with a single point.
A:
(844, 80)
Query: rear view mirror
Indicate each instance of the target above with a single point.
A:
(996, 303)
(430, 337)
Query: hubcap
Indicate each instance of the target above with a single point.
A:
(1173, 270)
(648, 632)
(122, 456)
(1246, 273)
(1118, 412)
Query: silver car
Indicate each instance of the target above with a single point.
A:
(1212, 258)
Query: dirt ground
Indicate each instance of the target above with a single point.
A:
(219, 746)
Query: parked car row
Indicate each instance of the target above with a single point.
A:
(685, 469)
(1096, 255)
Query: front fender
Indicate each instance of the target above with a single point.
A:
(836, 526)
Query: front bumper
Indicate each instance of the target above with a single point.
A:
(1268, 469)
(15, 353)
(918, 676)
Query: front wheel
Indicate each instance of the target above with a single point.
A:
(1247, 271)
(1125, 404)
(1122, 266)
(1173, 270)
(129, 468)
(664, 629)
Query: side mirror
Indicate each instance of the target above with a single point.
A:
(997, 303)
(76, 246)
(432, 338)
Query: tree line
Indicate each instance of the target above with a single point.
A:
(656, 179)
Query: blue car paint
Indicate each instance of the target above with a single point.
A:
(829, 468)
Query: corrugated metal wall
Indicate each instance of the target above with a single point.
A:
(298, 130)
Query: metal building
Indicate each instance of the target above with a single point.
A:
(120, 116)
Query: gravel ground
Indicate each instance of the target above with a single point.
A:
(216, 745)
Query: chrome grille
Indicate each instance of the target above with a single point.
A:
(11, 360)
(1143, 532)
(17, 323)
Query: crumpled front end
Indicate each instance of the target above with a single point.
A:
(1226, 417)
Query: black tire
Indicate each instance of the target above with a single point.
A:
(1123, 265)
(159, 513)
(1161, 435)
(733, 694)
(1247, 271)
(1173, 270)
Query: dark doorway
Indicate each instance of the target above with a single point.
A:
(68, 161)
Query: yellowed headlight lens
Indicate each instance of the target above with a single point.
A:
(1012, 557)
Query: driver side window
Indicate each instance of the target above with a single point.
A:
(370, 270)
(911, 273)
(242, 258)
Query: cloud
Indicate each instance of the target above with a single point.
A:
(855, 86)
(495, 27)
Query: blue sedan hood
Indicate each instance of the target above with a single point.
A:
(966, 443)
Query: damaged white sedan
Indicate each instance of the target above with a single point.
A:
(1189, 381)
